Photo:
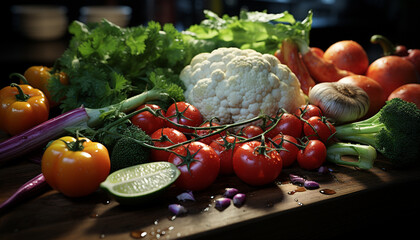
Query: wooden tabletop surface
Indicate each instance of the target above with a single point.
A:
(362, 199)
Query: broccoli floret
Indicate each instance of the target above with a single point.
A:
(127, 151)
(366, 154)
(394, 132)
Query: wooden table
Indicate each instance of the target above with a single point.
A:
(374, 201)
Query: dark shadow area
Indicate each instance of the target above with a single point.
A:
(332, 21)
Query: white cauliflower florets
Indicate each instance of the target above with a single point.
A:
(234, 85)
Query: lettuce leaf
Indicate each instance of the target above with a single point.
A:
(260, 31)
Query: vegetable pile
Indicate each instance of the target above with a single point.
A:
(244, 96)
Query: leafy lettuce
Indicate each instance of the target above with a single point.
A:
(260, 31)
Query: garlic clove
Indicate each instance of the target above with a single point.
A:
(340, 102)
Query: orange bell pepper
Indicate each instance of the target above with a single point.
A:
(22, 107)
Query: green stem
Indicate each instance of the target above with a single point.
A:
(20, 76)
(21, 96)
(387, 46)
(124, 106)
(76, 145)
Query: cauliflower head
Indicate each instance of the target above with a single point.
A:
(235, 85)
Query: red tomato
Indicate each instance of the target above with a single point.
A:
(318, 128)
(255, 168)
(199, 166)
(165, 137)
(348, 55)
(148, 122)
(185, 114)
(308, 111)
(373, 89)
(289, 154)
(289, 124)
(210, 139)
(313, 155)
(407, 92)
(250, 131)
(392, 72)
(224, 147)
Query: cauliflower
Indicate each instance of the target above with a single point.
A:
(235, 85)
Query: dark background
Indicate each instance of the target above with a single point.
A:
(334, 20)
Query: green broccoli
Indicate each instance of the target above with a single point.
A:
(127, 152)
(394, 132)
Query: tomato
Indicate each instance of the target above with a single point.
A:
(75, 167)
(224, 147)
(210, 139)
(40, 77)
(256, 168)
(392, 72)
(289, 154)
(250, 131)
(148, 122)
(165, 137)
(308, 111)
(199, 165)
(312, 156)
(348, 55)
(185, 114)
(373, 89)
(407, 92)
(289, 124)
(318, 128)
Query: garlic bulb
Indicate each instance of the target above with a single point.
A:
(340, 101)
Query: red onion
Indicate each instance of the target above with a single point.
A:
(186, 196)
(239, 199)
(177, 209)
(311, 184)
(295, 179)
(222, 203)
(298, 180)
(230, 192)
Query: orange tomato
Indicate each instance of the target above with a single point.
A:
(407, 92)
(348, 55)
(22, 107)
(392, 72)
(373, 89)
(39, 77)
(75, 167)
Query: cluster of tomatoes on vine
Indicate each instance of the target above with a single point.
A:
(202, 150)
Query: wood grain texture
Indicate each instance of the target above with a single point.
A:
(269, 211)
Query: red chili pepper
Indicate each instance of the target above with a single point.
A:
(293, 60)
(320, 69)
(412, 55)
